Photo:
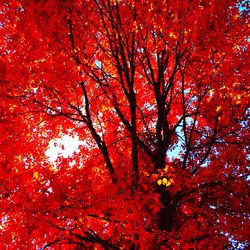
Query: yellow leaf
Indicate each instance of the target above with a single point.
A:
(164, 181)
(52, 168)
(167, 182)
(218, 108)
(97, 170)
(159, 182)
(237, 97)
(106, 108)
(235, 84)
(39, 60)
(12, 107)
(211, 91)
(19, 157)
(171, 34)
(167, 168)
(35, 175)
(13, 235)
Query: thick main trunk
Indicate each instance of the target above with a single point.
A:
(165, 214)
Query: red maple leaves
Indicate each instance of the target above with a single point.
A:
(158, 93)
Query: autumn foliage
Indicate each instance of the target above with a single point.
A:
(157, 94)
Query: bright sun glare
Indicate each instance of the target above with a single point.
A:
(64, 146)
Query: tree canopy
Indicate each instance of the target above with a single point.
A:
(157, 94)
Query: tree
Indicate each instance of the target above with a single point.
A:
(157, 93)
